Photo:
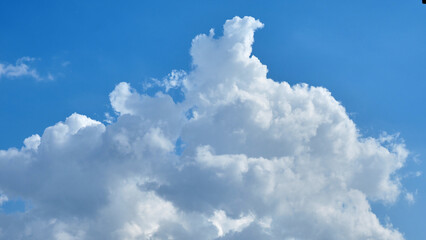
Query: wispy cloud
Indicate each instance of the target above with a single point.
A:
(22, 68)
(65, 64)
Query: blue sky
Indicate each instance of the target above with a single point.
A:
(370, 55)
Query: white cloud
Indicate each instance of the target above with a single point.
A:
(173, 80)
(262, 160)
(409, 197)
(22, 68)
(65, 64)
(224, 224)
(32, 142)
(3, 199)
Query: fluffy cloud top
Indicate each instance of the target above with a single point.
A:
(241, 157)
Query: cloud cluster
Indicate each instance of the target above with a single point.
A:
(240, 156)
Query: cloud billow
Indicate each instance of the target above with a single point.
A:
(260, 160)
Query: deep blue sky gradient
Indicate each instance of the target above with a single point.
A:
(370, 54)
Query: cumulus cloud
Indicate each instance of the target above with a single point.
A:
(22, 68)
(260, 159)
